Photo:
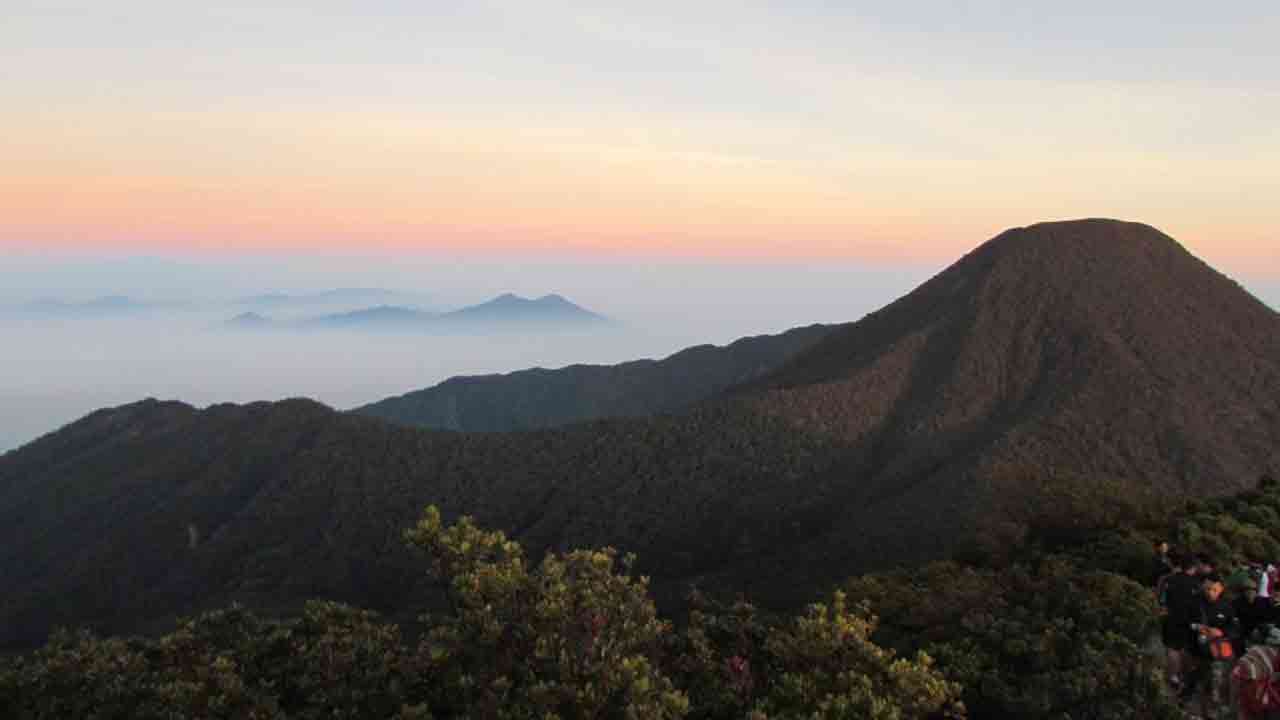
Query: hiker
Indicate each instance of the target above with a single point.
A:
(1161, 565)
(1237, 578)
(1204, 566)
(1216, 629)
(1252, 610)
(1254, 681)
(1180, 597)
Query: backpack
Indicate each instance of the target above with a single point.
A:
(1256, 684)
(1220, 648)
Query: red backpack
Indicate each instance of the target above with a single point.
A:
(1220, 648)
(1258, 691)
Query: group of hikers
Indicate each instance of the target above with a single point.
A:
(1221, 634)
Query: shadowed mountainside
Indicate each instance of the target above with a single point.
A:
(540, 398)
(1094, 345)
(1083, 348)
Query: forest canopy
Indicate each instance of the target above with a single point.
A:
(1058, 626)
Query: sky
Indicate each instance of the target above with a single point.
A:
(855, 132)
(696, 170)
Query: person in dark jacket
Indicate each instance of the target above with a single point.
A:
(1252, 610)
(1215, 619)
(1180, 596)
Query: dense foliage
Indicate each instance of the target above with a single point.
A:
(1053, 614)
(575, 636)
(332, 662)
(1060, 625)
(736, 662)
(1048, 639)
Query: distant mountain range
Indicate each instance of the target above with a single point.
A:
(509, 308)
(504, 312)
(333, 309)
(344, 296)
(249, 321)
(1088, 348)
(121, 305)
(383, 317)
(106, 306)
(538, 398)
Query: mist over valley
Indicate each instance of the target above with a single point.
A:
(74, 345)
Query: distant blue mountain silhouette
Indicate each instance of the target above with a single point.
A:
(355, 296)
(105, 306)
(505, 312)
(382, 316)
(513, 308)
(250, 321)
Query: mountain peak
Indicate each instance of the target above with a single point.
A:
(1071, 280)
(509, 307)
(1091, 236)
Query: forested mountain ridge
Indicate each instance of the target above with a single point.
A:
(1087, 348)
(539, 398)
(1095, 345)
(139, 512)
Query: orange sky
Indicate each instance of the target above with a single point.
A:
(242, 183)
(860, 137)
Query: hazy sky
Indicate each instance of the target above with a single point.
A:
(698, 170)
(606, 132)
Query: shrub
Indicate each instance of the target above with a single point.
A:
(577, 636)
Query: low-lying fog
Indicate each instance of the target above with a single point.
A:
(59, 371)
(56, 369)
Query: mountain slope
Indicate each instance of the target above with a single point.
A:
(140, 512)
(1100, 345)
(1090, 347)
(540, 398)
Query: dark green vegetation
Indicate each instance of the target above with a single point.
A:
(574, 636)
(1049, 611)
(540, 398)
(1052, 627)
(1088, 349)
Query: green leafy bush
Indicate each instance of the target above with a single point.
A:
(1050, 639)
(735, 662)
(1058, 627)
(575, 636)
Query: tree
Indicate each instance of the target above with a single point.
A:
(829, 668)
(575, 637)
(1043, 639)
